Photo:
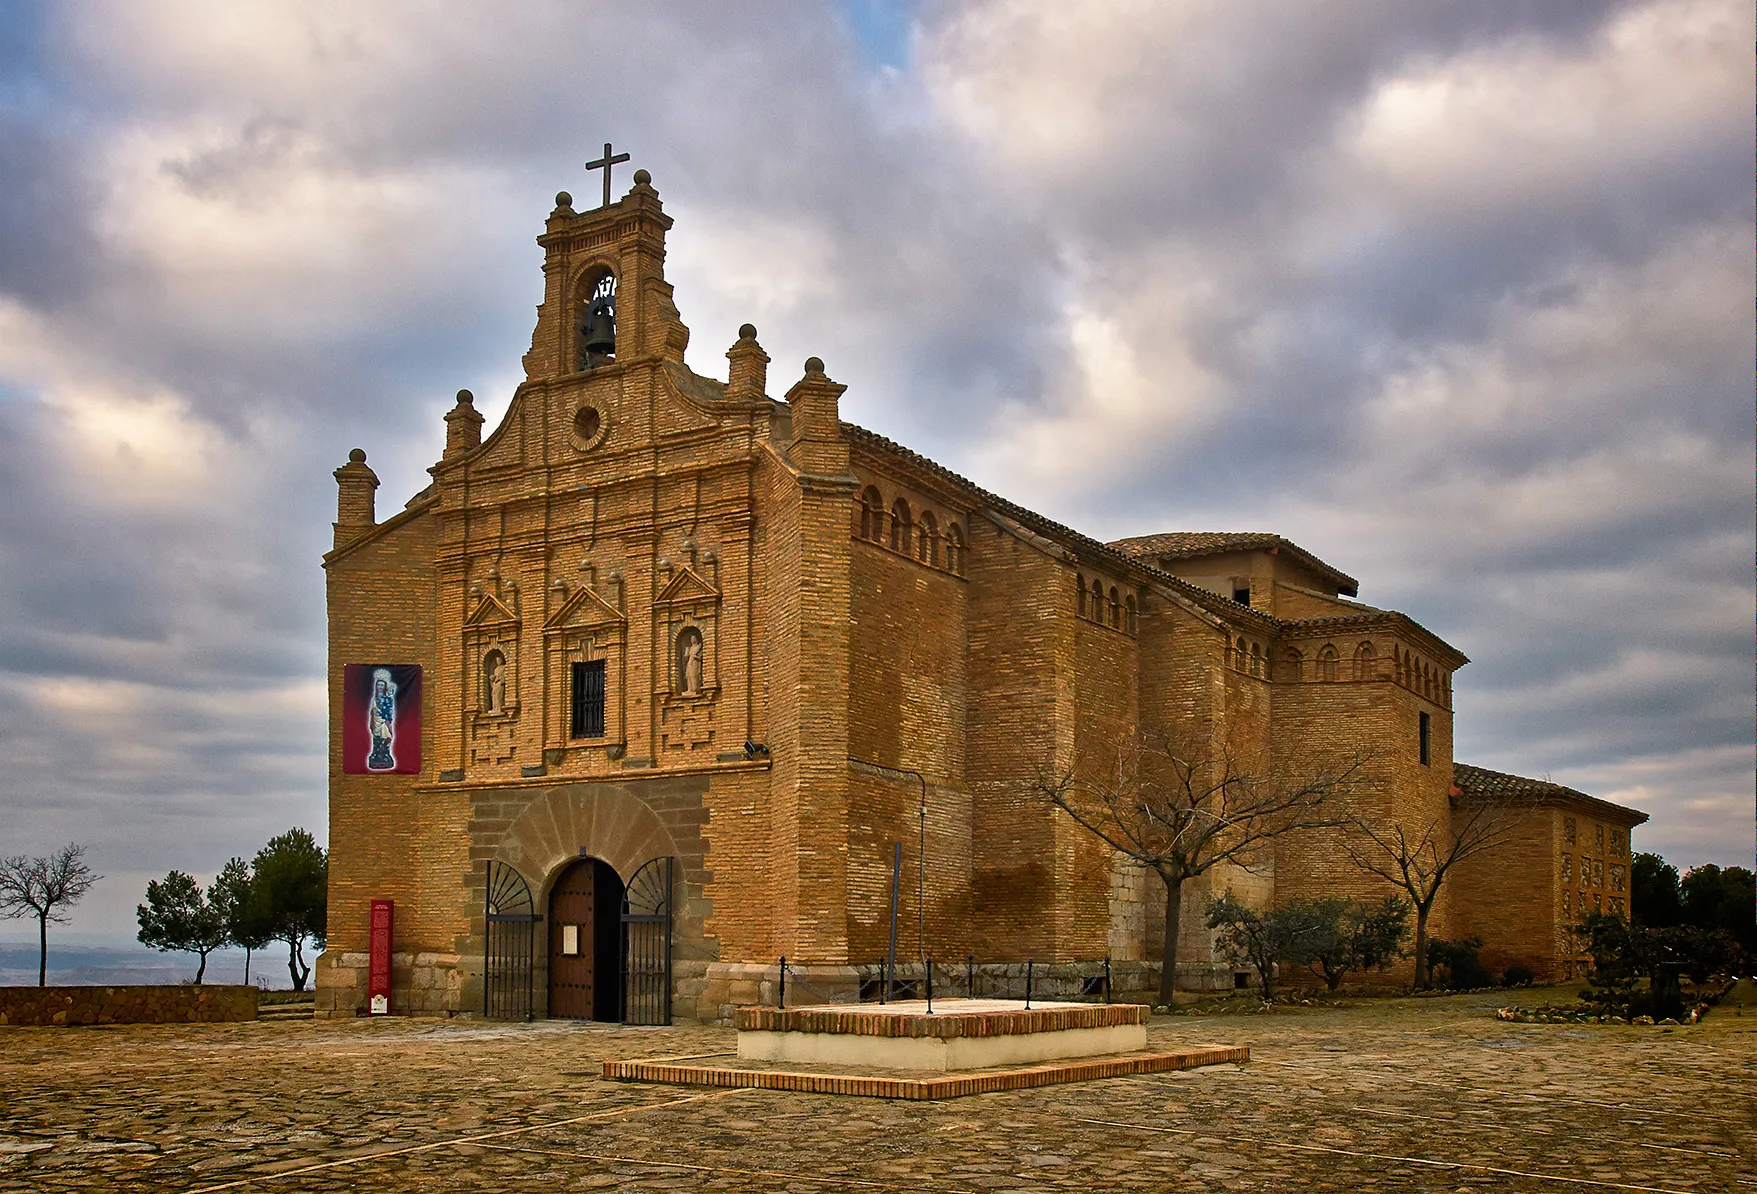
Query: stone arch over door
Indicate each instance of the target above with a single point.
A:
(606, 820)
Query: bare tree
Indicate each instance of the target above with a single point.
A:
(1179, 807)
(1419, 859)
(41, 887)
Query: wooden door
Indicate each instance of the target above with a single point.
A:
(572, 936)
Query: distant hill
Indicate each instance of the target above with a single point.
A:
(99, 965)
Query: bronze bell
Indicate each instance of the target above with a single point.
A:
(599, 329)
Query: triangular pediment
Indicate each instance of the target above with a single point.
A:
(584, 609)
(686, 587)
(489, 612)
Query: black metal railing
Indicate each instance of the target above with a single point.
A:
(884, 982)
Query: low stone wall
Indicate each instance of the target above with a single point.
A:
(178, 1004)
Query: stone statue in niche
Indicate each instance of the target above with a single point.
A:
(494, 682)
(689, 662)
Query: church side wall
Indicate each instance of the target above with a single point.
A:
(907, 697)
(388, 839)
(1104, 667)
(1020, 717)
(1508, 896)
(1326, 723)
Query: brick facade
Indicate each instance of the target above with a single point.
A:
(815, 644)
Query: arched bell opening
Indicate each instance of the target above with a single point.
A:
(595, 319)
(586, 942)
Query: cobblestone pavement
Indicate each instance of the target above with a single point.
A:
(1387, 1095)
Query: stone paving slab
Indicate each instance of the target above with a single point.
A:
(1395, 1095)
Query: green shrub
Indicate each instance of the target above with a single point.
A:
(1464, 970)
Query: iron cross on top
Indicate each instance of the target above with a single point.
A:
(604, 163)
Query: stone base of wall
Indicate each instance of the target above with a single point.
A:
(424, 984)
(726, 986)
(179, 1004)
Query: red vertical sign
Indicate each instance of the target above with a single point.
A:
(379, 970)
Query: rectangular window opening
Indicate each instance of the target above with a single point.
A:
(1242, 596)
(586, 716)
(1425, 725)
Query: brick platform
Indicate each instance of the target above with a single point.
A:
(951, 1086)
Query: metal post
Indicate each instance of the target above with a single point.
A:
(881, 980)
(896, 882)
(970, 976)
(783, 982)
(1028, 965)
(930, 984)
(1107, 980)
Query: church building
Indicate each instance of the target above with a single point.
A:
(667, 678)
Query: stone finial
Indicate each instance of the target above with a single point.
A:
(749, 374)
(817, 420)
(354, 498)
(563, 204)
(463, 426)
(642, 179)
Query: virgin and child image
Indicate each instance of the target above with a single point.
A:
(381, 730)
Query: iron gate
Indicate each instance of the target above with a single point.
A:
(509, 945)
(646, 944)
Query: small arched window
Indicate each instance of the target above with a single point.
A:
(1080, 589)
(1130, 622)
(1256, 659)
(1116, 609)
(1366, 661)
(1097, 600)
(902, 526)
(1327, 663)
(872, 513)
(927, 547)
(1292, 665)
(955, 549)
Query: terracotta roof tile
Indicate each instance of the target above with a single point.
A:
(1499, 785)
(1189, 545)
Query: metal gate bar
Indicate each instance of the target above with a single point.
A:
(646, 944)
(509, 944)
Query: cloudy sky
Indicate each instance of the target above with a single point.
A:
(1455, 294)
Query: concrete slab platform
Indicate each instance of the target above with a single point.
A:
(920, 1086)
(957, 1034)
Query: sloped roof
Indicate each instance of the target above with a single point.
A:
(1499, 785)
(1190, 545)
(875, 442)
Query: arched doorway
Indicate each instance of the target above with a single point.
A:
(585, 942)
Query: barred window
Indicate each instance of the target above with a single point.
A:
(586, 710)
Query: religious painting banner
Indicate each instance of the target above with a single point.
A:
(381, 718)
